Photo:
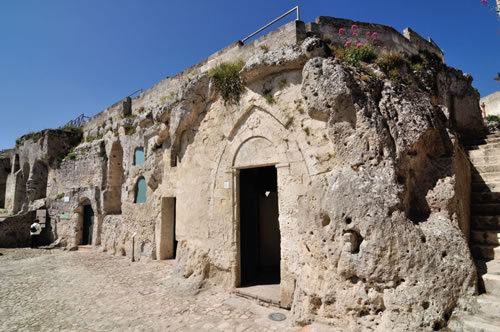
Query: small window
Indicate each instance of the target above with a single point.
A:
(139, 156)
(140, 191)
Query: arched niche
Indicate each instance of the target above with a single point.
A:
(140, 190)
(86, 226)
(139, 157)
(255, 152)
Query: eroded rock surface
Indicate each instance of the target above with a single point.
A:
(391, 254)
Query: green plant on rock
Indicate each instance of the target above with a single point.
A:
(130, 131)
(417, 67)
(156, 147)
(270, 100)
(227, 81)
(71, 156)
(35, 137)
(392, 60)
(72, 129)
(282, 84)
(59, 196)
(494, 118)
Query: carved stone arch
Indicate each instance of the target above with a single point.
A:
(247, 117)
(86, 228)
(140, 190)
(256, 151)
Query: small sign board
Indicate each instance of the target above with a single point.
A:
(41, 215)
(65, 216)
(66, 199)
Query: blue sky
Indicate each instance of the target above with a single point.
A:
(62, 58)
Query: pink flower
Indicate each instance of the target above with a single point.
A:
(367, 34)
(341, 31)
(354, 34)
(385, 47)
(374, 36)
(354, 27)
(359, 45)
(348, 44)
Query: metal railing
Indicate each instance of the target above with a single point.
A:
(274, 21)
(133, 93)
(78, 122)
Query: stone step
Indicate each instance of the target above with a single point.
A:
(481, 169)
(477, 323)
(485, 209)
(484, 160)
(491, 267)
(485, 197)
(486, 177)
(486, 140)
(484, 152)
(485, 237)
(492, 284)
(485, 251)
(495, 145)
(479, 222)
(490, 304)
(486, 187)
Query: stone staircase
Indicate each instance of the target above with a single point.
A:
(484, 155)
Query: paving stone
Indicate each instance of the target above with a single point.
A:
(55, 290)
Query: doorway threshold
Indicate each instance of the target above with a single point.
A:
(85, 247)
(264, 293)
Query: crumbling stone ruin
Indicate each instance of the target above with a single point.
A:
(346, 184)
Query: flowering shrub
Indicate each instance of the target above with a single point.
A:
(355, 50)
(495, 8)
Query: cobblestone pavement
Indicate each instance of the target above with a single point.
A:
(55, 290)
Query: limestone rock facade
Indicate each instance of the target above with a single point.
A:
(368, 179)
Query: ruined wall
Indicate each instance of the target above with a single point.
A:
(492, 103)
(15, 230)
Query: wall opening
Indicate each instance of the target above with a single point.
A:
(167, 244)
(140, 191)
(259, 227)
(88, 224)
(139, 156)
(4, 173)
(113, 193)
(16, 163)
(173, 157)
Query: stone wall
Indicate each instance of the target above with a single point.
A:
(15, 230)
(409, 43)
(491, 103)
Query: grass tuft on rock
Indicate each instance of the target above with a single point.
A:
(227, 81)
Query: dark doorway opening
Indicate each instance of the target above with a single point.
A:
(259, 226)
(88, 224)
(167, 241)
